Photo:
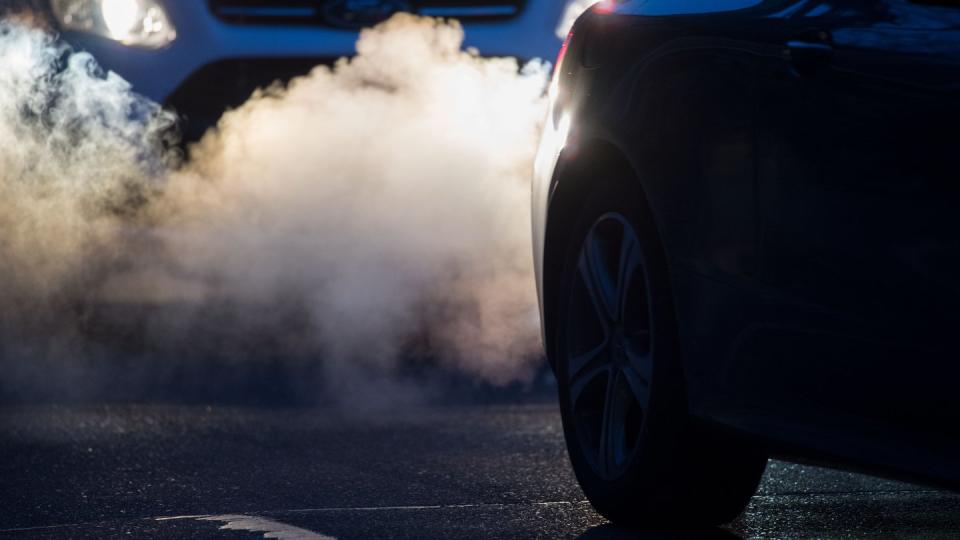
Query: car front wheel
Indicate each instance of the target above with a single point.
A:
(636, 453)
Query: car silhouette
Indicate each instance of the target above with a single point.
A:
(746, 217)
(200, 57)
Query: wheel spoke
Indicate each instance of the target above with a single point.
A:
(598, 281)
(608, 427)
(630, 262)
(586, 367)
(638, 383)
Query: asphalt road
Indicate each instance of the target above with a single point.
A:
(463, 471)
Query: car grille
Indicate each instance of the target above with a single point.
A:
(357, 13)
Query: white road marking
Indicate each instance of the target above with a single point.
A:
(376, 509)
(269, 528)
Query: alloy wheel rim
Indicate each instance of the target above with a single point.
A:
(609, 345)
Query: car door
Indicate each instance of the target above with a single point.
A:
(859, 193)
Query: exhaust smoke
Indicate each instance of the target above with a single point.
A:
(361, 215)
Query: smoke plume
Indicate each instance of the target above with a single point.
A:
(359, 216)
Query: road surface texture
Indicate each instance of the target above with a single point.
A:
(461, 471)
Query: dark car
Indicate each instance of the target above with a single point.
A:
(747, 231)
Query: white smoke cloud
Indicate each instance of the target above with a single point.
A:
(77, 152)
(384, 202)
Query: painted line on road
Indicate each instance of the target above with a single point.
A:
(923, 492)
(296, 511)
(269, 528)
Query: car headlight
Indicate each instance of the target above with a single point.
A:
(143, 23)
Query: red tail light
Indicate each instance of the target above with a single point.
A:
(562, 53)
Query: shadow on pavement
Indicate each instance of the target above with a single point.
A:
(611, 532)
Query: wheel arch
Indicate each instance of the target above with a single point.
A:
(598, 164)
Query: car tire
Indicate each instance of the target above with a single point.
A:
(639, 457)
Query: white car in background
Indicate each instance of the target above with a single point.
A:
(201, 57)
